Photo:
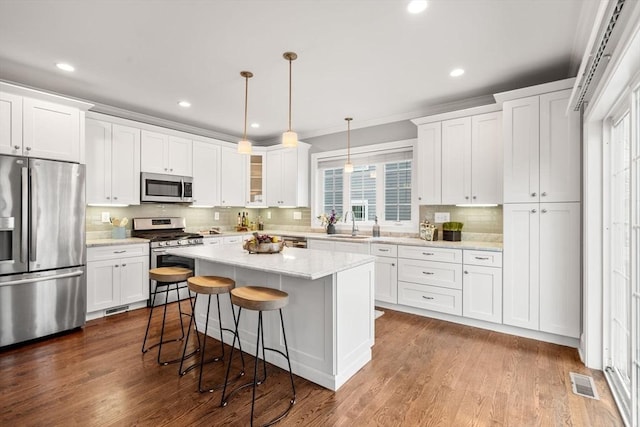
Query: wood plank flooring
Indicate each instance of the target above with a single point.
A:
(424, 372)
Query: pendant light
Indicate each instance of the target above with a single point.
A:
(244, 146)
(290, 138)
(348, 167)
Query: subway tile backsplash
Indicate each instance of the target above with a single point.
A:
(481, 223)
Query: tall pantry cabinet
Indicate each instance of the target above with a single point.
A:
(542, 214)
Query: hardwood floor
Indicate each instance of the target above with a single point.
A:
(424, 372)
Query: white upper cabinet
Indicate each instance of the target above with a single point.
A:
(456, 161)
(559, 149)
(37, 124)
(288, 176)
(541, 150)
(233, 177)
(50, 131)
(429, 162)
(472, 159)
(166, 154)
(10, 124)
(486, 158)
(113, 163)
(206, 174)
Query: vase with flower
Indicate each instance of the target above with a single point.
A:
(329, 220)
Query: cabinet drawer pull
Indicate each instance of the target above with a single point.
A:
(124, 265)
(119, 252)
(383, 250)
(428, 272)
(427, 253)
(482, 257)
(427, 297)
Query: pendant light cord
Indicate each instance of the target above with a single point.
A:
(290, 62)
(348, 119)
(246, 105)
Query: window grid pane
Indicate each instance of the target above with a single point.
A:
(363, 192)
(398, 191)
(333, 191)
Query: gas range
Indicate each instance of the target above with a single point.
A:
(165, 232)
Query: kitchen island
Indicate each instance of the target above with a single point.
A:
(329, 320)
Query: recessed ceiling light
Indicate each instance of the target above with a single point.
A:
(417, 6)
(184, 104)
(255, 125)
(66, 67)
(456, 72)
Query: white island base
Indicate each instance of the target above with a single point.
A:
(329, 321)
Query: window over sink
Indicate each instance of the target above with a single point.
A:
(380, 185)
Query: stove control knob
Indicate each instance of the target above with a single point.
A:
(179, 242)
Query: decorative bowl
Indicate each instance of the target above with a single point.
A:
(262, 248)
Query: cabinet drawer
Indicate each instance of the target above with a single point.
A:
(352, 247)
(430, 254)
(231, 239)
(430, 273)
(115, 252)
(382, 249)
(212, 240)
(430, 298)
(486, 258)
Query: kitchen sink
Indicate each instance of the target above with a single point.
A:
(347, 236)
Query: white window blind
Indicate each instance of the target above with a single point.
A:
(397, 191)
(333, 183)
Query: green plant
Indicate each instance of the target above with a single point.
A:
(452, 226)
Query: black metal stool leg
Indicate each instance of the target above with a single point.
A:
(286, 349)
(164, 318)
(192, 302)
(223, 401)
(146, 334)
(255, 365)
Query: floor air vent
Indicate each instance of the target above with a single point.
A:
(116, 310)
(583, 385)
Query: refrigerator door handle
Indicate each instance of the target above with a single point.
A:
(25, 215)
(41, 278)
(33, 253)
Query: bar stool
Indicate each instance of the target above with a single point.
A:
(260, 299)
(208, 285)
(165, 277)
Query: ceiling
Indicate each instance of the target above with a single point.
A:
(371, 60)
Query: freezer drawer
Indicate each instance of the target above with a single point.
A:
(35, 305)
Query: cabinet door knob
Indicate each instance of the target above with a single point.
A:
(116, 266)
(544, 193)
(108, 198)
(165, 169)
(171, 170)
(419, 198)
(28, 148)
(544, 211)
(466, 197)
(115, 197)
(16, 147)
(466, 272)
(474, 197)
(533, 211)
(393, 264)
(124, 265)
(534, 194)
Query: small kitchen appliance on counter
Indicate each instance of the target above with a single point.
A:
(163, 233)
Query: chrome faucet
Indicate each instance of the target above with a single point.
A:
(353, 222)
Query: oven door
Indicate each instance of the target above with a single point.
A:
(160, 258)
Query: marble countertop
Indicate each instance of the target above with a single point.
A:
(113, 242)
(411, 241)
(304, 263)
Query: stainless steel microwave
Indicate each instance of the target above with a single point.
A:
(160, 188)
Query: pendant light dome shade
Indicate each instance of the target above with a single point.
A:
(244, 146)
(348, 167)
(290, 138)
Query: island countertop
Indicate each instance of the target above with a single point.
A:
(303, 263)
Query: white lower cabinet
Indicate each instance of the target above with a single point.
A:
(542, 267)
(116, 276)
(427, 284)
(386, 282)
(482, 286)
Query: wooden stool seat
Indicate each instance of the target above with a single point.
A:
(210, 284)
(258, 298)
(170, 274)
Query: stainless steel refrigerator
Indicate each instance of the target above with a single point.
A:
(42, 248)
